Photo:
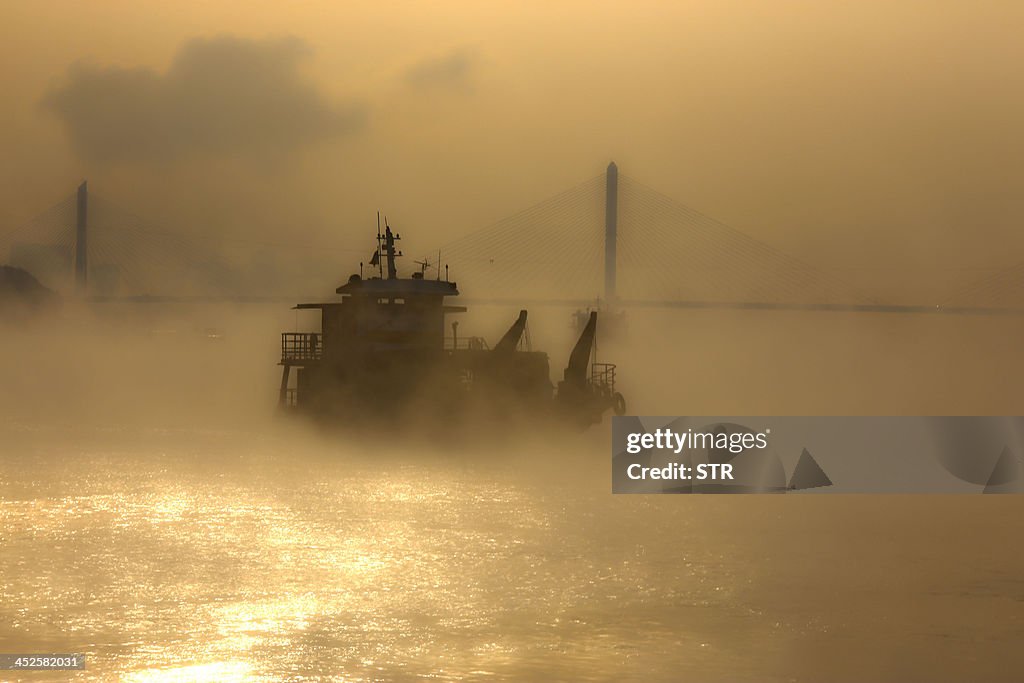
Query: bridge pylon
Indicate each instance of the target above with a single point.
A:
(611, 227)
(82, 239)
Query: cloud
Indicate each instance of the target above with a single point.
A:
(453, 71)
(223, 96)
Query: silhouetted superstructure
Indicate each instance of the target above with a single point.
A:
(382, 351)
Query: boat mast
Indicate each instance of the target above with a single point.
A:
(379, 263)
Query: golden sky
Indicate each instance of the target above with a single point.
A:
(849, 133)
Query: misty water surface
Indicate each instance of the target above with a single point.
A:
(155, 515)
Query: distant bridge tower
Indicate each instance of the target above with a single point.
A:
(611, 224)
(82, 239)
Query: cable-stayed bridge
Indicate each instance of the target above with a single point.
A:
(610, 237)
(633, 245)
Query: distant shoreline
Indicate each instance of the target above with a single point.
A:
(21, 293)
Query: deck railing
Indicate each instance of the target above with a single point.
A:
(301, 346)
(602, 376)
(473, 343)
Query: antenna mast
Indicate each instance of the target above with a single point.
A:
(380, 261)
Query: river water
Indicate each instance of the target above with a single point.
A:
(155, 516)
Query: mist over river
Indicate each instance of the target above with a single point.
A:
(156, 515)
